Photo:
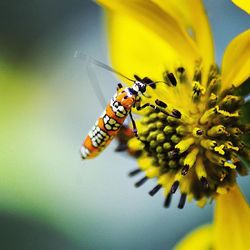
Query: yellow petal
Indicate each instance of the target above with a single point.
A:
(243, 4)
(191, 15)
(137, 50)
(146, 39)
(232, 221)
(199, 239)
(236, 61)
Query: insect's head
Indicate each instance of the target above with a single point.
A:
(139, 87)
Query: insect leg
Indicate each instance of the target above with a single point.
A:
(159, 107)
(135, 131)
(134, 126)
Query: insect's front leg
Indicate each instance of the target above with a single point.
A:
(156, 108)
(159, 107)
(135, 131)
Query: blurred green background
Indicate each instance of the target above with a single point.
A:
(49, 197)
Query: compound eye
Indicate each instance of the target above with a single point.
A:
(143, 88)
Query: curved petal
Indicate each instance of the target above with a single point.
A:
(131, 26)
(137, 50)
(195, 23)
(236, 61)
(232, 221)
(199, 239)
(151, 58)
(243, 4)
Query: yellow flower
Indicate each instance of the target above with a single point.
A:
(243, 4)
(193, 139)
(230, 229)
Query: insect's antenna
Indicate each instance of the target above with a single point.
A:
(153, 83)
(100, 64)
(146, 95)
(96, 85)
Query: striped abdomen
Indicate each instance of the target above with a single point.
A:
(106, 127)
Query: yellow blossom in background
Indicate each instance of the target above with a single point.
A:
(195, 143)
(243, 4)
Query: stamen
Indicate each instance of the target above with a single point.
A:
(213, 86)
(155, 190)
(161, 103)
(191, 158)
(141, 181)
(197, 75)
(217, 131)
(228, 91)
(214, 158)
(229, 164)
(174, 187)
(228, 114)
(184, 170)
(176, 113)
(197, 132)
(213, 74)
(181, 70)
(182, 201)
(235, 131)
(229, 145)
(208, 115)
(198, 90)
(172, 79)
(200, 168)
(208, 144)
(212, 100)
(219, 149)
(204, 182)
(168, 200)
(231, 102)
(184, 144)
(134, 172)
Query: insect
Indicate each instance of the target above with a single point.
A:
(108, 124)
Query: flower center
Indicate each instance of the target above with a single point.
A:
(197, 151)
